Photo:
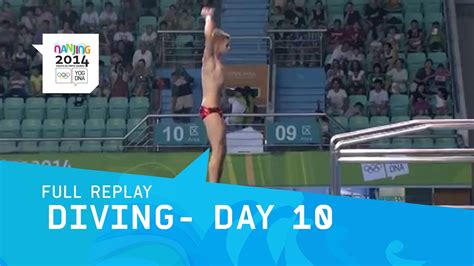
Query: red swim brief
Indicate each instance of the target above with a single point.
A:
(205, 111)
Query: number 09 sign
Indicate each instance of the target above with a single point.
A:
(293, 133)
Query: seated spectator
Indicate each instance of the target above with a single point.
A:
(43, 28)
(123, 34)
(435, 39)
(108, 17)
(441, 105)
(342, 52)
(336, 99)
(393, 5)
(142, 54)
(377, 74)
(186, 21)
(26, 38)
(42, 15)
(5, 61)
(357, 79)
(7, 13)
(238, 105)
(415, 37)
(425, 74)
(148, 7)
(442, 76)
(390, 56)
(66, 28)
(375, 39)
(124, 52)
(89, 19)
(319, 15)
(103, 89)
(351, 16)
(276, 17)
(149, 37)
(104, 41)
(129, 13)
(185, 4)
(356, 110)
(335, 72)
(17, 85)
(394, 37)
(29, 20)
(336, 35)
(69, 15)
(119, 78)
(21, 60)
(378, 100)
(420, 101)
(356, 35)
(171, 18)
(36, 83)
(398, 76)
(376, 58)
(374, 15)
(141, 79)
(182, 95)
(357, 55)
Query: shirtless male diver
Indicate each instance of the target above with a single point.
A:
(217, 43)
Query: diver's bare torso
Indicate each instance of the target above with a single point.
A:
(212, 81)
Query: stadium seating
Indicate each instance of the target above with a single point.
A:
(35, 108)
(56, 108)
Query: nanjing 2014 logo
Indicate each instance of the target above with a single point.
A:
(71, 62)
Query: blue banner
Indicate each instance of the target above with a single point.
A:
(64, 216)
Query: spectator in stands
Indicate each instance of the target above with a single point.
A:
(7, 14)
(420, 101)
(142, 54)
(442, 76)
(356, 110)
(5, 61)
(171, 18)
(69, 15)
(123, 52)
(393, 5)
(356, 79)
(141, 79)
(66, 28)
(378, 99)
(123, 34)
(108, 17)
(374, 15)
(336, 35)
(129, 13)
(42, 15)
(336, 99)
(26, 38)
(398, 76)
(441, 102)
(415, 37)
(276, 17)
(36, 82)
(185, 4)
(149, 7)
(17, 85)
(435, 39)
(149, 37)
(394, 37)
(342, 52)
(104, 41)
(425, 74)
(186, 21)
(319, 15)
(21, 60)
(89, 19)
(29, 20)
(103, 90)
(357, 55)
(44, 28)
(238, 105)
(335, 72)
(119, 78)
(356, 35)
(351, 16)
(181, 93)
(390, 56)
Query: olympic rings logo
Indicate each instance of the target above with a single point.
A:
(63, 75)
(372, 168)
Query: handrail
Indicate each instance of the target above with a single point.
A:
(296, 30)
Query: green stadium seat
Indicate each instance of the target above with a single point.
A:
(412, 6)
(335, 126)
(401, 143)
(56, 108)
(380, 144)
(91, 146)
(145, 21)
(431, 6)
(438, 58)
(112, 146)
(118, 107)
(444, 131)
(8, 147)
(139, 107)
(74, 128)
(353, 99)
(137, 135)
(415, 61)
(13, 108)
(358, 123)
(70, 146)
(95, 128)
(399, 105)
(446, 143)
(433, 17)
(116, 127)
(164, 4)
(52, 128)
(48, 146)
(10, 128)
(423, 143)
(376, 121)
(76, 111)
(98, 107)
(34, 108)
(28, 146)
(399, 119)
(31, 128)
